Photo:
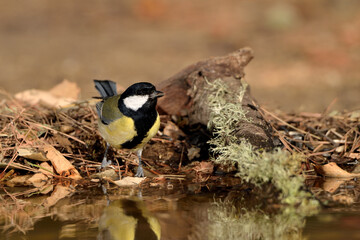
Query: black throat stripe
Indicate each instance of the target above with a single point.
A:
(143, 229)
(144, 120)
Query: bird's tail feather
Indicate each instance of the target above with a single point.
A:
(106, 88)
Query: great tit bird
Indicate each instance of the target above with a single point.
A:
(128, 219)
(128, 120)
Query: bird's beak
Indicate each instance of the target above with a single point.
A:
(156, 94)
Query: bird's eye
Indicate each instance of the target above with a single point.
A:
(145, 91)
(142, 92)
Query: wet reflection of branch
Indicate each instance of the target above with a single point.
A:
(21, 211)
(59, 192)
(13, 218)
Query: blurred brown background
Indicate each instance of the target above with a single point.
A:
(307, 53)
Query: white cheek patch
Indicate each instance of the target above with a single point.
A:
(135, 102)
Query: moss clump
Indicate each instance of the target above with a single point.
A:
(255, 166)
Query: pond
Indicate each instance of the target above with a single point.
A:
(170, 210)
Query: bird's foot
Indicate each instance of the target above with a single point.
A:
(140, 172)
(105, 163)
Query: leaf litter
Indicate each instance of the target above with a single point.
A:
(43, 141)
(330, 142)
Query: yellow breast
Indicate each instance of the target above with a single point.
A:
(123, 129)
(118, 131)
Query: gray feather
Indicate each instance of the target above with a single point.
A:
(106, 88)
(99, 108)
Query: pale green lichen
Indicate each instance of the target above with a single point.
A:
(224, 113)
(255, 166)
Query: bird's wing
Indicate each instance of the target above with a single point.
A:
(106, 88)
(99, 106)
(108, 109)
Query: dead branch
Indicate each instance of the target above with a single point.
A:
(186, 94)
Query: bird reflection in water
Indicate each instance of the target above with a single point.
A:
(128, 219)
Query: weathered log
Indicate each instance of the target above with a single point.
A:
(186, 94)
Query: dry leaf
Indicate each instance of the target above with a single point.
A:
(59, 193)
(32, 154)
(355, 115)
(340, 149)
(56, 97)
(62, 166)
(193, 152)
(354, 155)
(344, 199)
(49, 187)
(204, 167)
(333, 170)
(38, 180)
(46, 166)
(34, 96)
(108, 173)
(72, 90)
(129, 181)
(19, 181)
(172, 130)
(63, 141)
(66, 128)
(357, 169)
(332, 184)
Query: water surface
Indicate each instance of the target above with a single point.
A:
(172, 209)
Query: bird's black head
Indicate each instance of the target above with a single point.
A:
(140, 96)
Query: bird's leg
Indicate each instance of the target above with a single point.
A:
(105, 162)
(140, 171)
(104, 190)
